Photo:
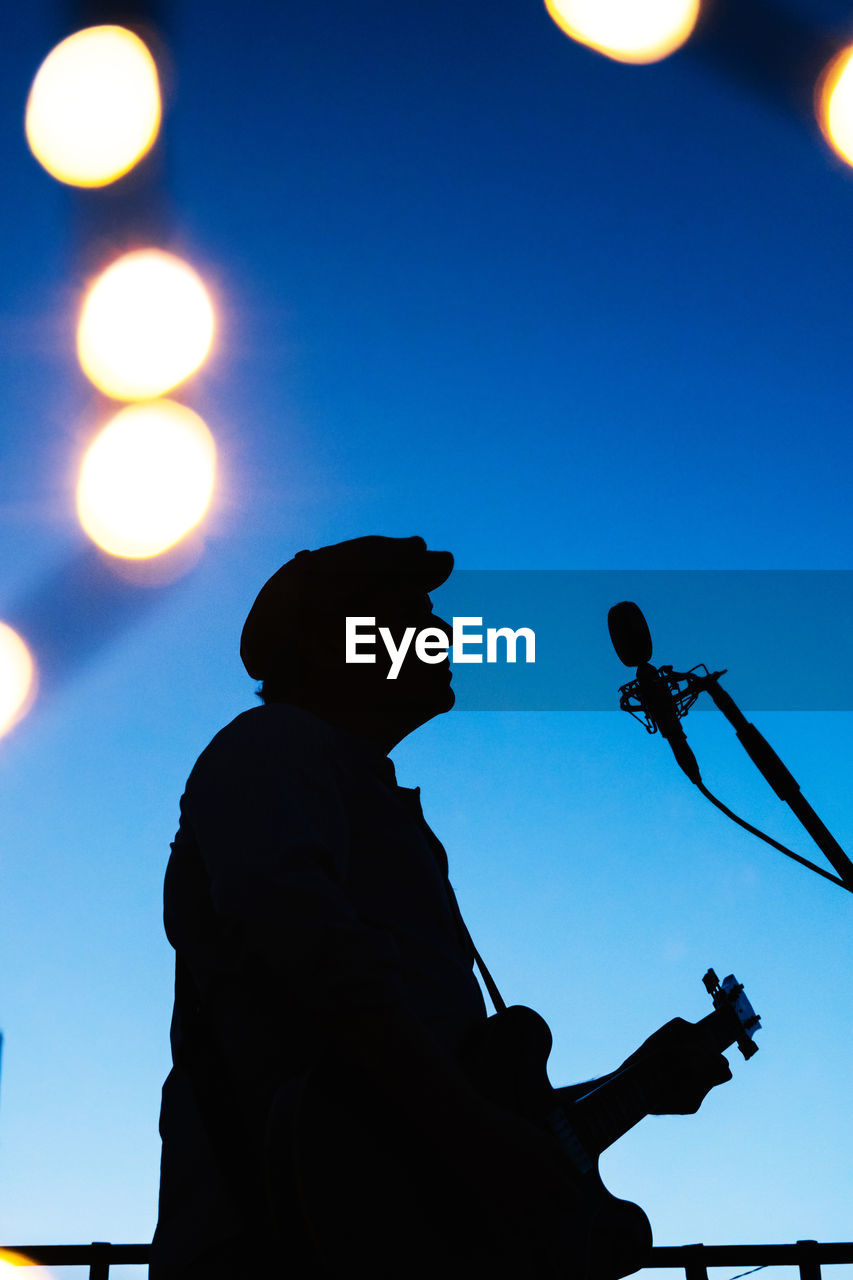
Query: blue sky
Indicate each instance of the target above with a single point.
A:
(547, 311)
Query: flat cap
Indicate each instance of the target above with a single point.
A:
(318, 581)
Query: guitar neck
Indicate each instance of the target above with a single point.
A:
(608, 1111)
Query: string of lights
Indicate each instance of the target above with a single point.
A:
(146, 322)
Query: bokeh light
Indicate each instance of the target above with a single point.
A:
(10, 1260)
(17, 690)
(146, 324)
(147, 479)
(834, 104)
(94, 107)
(627, 30)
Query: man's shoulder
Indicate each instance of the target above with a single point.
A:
(275, 731)
(275, 722)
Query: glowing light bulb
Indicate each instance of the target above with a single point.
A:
(627, 30)
(17, 691)
(834, 104)
(147, 479)
(146, 324)
(94, 107)
(10, 1260)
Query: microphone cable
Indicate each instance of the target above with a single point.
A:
(747, 826)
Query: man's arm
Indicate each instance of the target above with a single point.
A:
(678, 1066)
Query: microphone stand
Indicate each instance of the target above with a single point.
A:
(781, 780)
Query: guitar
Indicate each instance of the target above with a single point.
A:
(357, 1198)
(508, 1061)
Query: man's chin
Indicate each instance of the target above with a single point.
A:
(442, 698)
(439, 701)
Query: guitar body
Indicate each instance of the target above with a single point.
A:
(508, 1063)
(366, 1193)
(374, 1200)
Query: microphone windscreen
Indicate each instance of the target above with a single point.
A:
(630, 634)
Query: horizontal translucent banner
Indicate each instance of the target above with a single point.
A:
(785, 637)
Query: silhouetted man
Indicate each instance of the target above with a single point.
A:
(318, 1119)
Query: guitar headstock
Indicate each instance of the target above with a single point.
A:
(729, 994)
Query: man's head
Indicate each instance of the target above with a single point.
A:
(294, 639)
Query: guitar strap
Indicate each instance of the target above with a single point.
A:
(494, 995)
(411, 797)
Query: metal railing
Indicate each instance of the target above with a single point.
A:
(693, 1259)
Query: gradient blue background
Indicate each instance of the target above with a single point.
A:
(550, 312)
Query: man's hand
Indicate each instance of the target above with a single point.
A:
(680, 1064)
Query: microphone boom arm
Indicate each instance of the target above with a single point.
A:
(774, 771)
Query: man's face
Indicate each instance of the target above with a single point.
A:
(421, 686)
(419, 691)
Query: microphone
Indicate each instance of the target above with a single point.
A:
(632, 641)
